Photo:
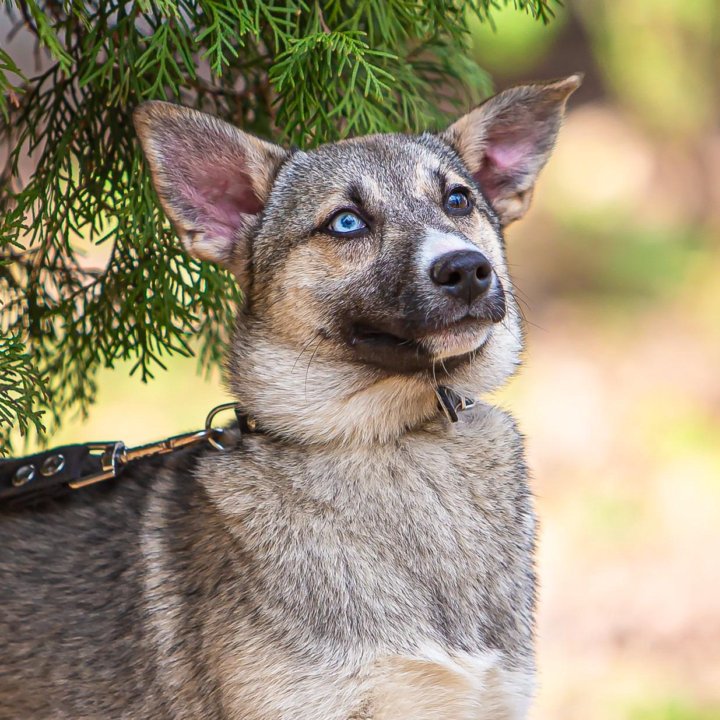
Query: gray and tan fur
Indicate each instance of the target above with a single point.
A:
(362, 558)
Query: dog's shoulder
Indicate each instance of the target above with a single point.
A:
(73, 592)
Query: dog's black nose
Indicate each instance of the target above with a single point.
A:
(466, 274)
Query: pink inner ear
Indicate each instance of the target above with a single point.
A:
(222, 197)
(505, 163)
(508, 156)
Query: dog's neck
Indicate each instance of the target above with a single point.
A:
(326, 401)
(313, 398)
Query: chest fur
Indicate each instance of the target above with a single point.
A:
(428, 539)
(366, 582)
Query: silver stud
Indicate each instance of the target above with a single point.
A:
(53, 464)
(24, 474)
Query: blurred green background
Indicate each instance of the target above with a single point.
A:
(618, 264)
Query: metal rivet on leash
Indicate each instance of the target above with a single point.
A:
(24, 474)
(53, 464)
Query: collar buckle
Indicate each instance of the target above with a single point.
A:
(451, 402)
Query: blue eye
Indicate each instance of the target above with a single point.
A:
(346, 223)
(458, 202)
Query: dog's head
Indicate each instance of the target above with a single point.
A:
(373, 269)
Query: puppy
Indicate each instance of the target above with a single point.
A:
(358, 555)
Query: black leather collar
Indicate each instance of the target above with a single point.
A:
(48, 474)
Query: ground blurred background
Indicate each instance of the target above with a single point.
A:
(618, 263)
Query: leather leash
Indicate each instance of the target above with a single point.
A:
(53, 472)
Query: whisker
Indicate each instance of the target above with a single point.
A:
(521, 301)
(305, 346)
(312, 357)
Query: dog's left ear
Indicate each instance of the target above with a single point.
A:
(506, 141)
(213, 179)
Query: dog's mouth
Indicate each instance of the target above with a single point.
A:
(404, 353)
(364, 333)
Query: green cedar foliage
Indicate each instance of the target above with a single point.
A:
(300, 72)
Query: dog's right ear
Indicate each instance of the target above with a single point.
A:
(212, 179)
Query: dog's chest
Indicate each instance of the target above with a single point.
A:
(358, 560)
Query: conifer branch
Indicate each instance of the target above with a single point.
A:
(299, 71)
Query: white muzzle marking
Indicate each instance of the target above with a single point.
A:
(436, 243)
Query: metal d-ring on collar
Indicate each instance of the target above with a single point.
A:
(211, 434)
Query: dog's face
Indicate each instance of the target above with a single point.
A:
(384, 248)
(380, 259)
